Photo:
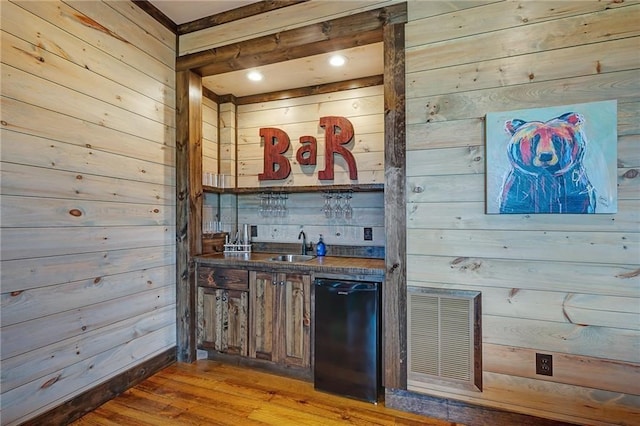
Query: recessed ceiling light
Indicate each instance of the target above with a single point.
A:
(254, 75)
(337, 60)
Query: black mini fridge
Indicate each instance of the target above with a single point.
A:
(347, 338)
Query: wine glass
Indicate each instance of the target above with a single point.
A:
(328, 211)
(348, 210)
(337, 210)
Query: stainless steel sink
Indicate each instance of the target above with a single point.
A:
(292, 258)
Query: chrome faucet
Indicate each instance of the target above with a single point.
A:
(304, 242)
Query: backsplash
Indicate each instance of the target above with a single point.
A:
(305, 212)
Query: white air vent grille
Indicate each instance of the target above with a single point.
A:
(444, 341)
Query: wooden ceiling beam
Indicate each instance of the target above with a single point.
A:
(235, 14)
(341, 33)
(358, 83)
(294, 52)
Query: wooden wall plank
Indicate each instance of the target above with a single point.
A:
(37, 91)
(615, 55)
(210, 154)
(19, 243)
(588, 247)
(34, 60)
(83, 375)
(447, 161)
(63, 325)
(127, 50)
(49, 37)
(123, 30)
(145, 20)
(470, 131)
(604, 374)
(470, 21)
(52, 125)
(419, 10)
(516, 274)
(616, 343)
(20, 211)
(38, 363)
(30, 304)
(570, 403)
(618, 85)
(460, 214)
(33, 181)
(227, 141)
(610, 24)
(22, 274)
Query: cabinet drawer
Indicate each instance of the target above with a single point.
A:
(236, 279)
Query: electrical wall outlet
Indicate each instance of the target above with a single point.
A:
(254, 231)
(368, 234)
(544, 364)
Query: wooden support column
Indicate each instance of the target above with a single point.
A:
(395, 286)
(189, 206)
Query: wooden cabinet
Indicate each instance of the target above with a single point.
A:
(280, 318)
(223, 310)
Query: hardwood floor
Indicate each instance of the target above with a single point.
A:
(212, 393)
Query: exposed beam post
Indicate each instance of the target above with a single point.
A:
(395, 286)
(188, 206)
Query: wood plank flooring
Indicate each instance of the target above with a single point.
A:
(213, 393)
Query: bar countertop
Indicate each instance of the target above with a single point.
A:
(324, 264)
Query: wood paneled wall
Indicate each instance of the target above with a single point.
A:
(564, 285)
(210, 136)
(88, 198)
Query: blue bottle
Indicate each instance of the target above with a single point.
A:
(321, 249)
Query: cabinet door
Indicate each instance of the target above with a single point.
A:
(294, 319)
(262, 290)
(209, 320)
(235, 322)
(223, 320)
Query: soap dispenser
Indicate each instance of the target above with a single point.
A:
(321, 248)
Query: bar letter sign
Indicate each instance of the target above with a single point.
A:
(338, 131)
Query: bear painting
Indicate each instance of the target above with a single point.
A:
(547, 174)
(545, 167)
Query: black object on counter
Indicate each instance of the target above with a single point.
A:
(347, 338)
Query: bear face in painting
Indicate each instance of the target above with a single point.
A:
(547, 174)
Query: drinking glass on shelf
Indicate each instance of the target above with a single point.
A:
(262, 211)
(277, 205)
(348, 210)
(337, 210)
(328, 211)
(283, 205)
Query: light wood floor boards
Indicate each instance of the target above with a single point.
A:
(212, 393)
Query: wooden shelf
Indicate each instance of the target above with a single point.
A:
(370, 187)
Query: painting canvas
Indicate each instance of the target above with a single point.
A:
(559, 159)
